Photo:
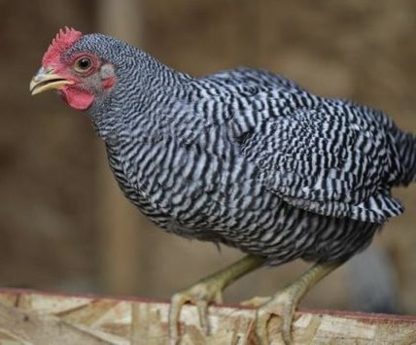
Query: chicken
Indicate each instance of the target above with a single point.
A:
(243, 157)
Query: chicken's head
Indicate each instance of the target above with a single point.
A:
(78, 76)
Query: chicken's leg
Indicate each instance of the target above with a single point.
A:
(206, 291)
(284, 302)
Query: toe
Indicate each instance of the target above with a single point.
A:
(177, 302)
(287, 319)
(279, 309)
(262, 320)
(285, 309)
(199, 295)
(202, 307)
(255, 302)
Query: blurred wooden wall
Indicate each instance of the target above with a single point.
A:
(63, 223)
(118, 220)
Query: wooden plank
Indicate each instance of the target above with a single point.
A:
(38, 318)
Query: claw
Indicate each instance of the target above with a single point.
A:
(262, 321)
(207, 291)
(282, 307)
(278, 307)
(202, 307)
(200, 295)
(177, 301)
(284, 303)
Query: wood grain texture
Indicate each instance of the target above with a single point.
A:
(37, 318)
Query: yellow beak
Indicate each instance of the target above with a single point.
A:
(47, 79)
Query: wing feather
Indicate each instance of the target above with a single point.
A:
(324, 162)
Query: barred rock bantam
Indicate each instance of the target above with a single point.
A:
(243, 157)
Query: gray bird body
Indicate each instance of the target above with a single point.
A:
(248, 158)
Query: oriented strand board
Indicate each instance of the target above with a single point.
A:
(30, 317)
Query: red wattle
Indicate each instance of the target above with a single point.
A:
(76, 98)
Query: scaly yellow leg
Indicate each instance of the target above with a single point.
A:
(206, 291)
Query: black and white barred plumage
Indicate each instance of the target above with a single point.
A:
(248, 158)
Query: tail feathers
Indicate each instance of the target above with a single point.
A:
(378, 208)
(406, 148)
(402, 170)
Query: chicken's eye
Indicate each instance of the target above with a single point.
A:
(83, 64)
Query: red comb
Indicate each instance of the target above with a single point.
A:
(64, 39)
